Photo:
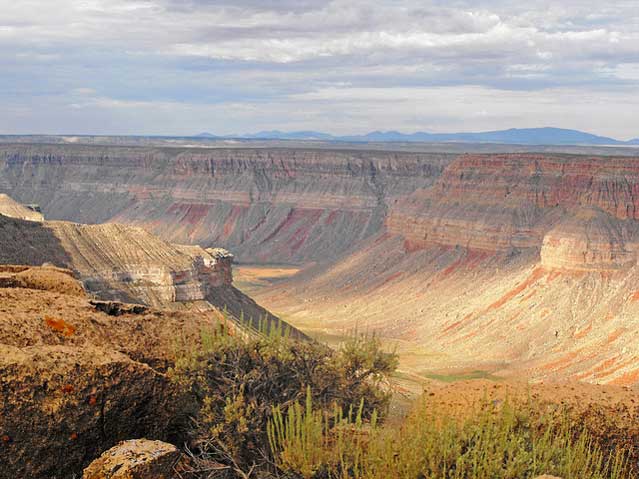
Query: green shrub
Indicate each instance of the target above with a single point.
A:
(235, 381)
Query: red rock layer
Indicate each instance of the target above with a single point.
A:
(499, 202)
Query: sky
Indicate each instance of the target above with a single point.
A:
(170, 67)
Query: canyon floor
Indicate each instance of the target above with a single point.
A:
(413, 375)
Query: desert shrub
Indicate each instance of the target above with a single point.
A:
(267, 406)
(504, 441)
(234, 381)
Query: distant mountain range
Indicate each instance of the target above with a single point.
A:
(513, 136)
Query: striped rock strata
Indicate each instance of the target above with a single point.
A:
(280, 205)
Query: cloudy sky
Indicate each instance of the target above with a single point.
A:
(345, 66)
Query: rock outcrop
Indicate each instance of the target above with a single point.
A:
(126, 263)
(75, 380)
(63, 405)
(11, 208)
(135, 459)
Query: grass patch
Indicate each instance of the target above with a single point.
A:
(466, 376)
(253, 278)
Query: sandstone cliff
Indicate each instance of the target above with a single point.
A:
(271, 206)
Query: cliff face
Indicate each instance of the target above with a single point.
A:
(264, 205)
(590, 240)
(504, 202)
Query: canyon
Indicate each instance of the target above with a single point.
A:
(512, 263)
(508, 262)
(267, 206)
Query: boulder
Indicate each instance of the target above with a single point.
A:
(135, 459)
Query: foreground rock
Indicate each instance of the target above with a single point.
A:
(135, 459)
(75, 380)
(62, 405)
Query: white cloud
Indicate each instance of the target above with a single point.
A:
(271, 59)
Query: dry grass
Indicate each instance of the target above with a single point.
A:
(507, 440)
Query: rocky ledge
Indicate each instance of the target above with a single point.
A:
(75, 380)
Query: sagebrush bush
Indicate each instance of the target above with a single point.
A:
(235, 381)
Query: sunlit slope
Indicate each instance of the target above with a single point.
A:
(513, 262)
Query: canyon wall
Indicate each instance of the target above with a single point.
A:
(586, 206)
(127, 263)
(508, 263)
(269, 206)
(301, 206)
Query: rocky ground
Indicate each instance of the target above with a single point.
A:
(75, 380)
